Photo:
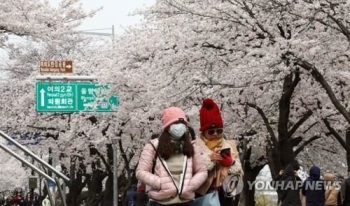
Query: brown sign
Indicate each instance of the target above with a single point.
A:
(56, 66)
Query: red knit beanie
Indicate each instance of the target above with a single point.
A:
(209, 115)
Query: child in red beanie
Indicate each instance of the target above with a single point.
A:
(219, 154)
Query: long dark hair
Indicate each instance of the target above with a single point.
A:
(166, 145)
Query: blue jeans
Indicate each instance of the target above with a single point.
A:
(190, 203)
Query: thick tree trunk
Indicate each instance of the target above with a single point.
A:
(347, 139)
(250, 175)
(273, 161)
(108, 193)
(108, 197)
(76, 184)
(95, 188)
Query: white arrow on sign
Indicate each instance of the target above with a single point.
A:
(42, 102)
(68, 66)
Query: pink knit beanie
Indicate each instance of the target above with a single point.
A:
(171, 115)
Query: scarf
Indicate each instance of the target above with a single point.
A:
(178, 146)
(211, 144)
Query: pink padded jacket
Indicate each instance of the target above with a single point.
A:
(161, 183)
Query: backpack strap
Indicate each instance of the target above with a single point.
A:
(155, 157)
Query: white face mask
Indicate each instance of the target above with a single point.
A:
(177, 130)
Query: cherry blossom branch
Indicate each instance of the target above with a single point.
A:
(289, 86)
(45, 128)
(103, 160)
(266, 121)
(4, 29)
(320, 79)
(311, 126)
(126, 160)
(252, 15)
(336, 135)
(299, 123)
(183, 8)
(301, 147)
(232, 86)
(343, 28)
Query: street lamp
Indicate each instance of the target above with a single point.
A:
(92, 32)
(115, 172)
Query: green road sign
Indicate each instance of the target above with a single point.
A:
(74, 97)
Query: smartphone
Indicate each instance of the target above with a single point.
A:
(226, 151)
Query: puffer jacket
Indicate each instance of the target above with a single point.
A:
(221, 172)
(161, 183)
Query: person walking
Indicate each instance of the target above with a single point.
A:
(36, 199)
(46, 201)
(220, 155)
(288, 185)
(345, 192)
(313, 190)
(179, 169)
(332, 192)
(28, 201)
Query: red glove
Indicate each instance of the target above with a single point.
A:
(227, 160)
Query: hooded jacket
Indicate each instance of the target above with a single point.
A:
(345, 192)
(332, 193)
(288, 185)
(314, 188)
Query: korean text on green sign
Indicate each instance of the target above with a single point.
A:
(74, 97)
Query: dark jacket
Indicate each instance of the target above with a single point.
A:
(288, 186)
(314, 188)
(345, 192)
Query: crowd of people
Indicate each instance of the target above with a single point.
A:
(314, 191)
(17, 199)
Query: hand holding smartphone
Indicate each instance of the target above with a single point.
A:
(225, 151)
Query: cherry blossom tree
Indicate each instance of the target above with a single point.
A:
(272, 66)
(251, 54)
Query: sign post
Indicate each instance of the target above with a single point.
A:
(74, 97)
(56, 66)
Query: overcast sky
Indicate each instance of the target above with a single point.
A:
(114, 12)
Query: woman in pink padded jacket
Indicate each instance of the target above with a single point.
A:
(179, 169)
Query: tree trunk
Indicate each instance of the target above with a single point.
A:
(250, 175)
(273, 161)
(108, 197)
(95, 188)
(347, 139)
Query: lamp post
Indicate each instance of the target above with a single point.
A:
(92, 32)
(115, 172)
(114, 141)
